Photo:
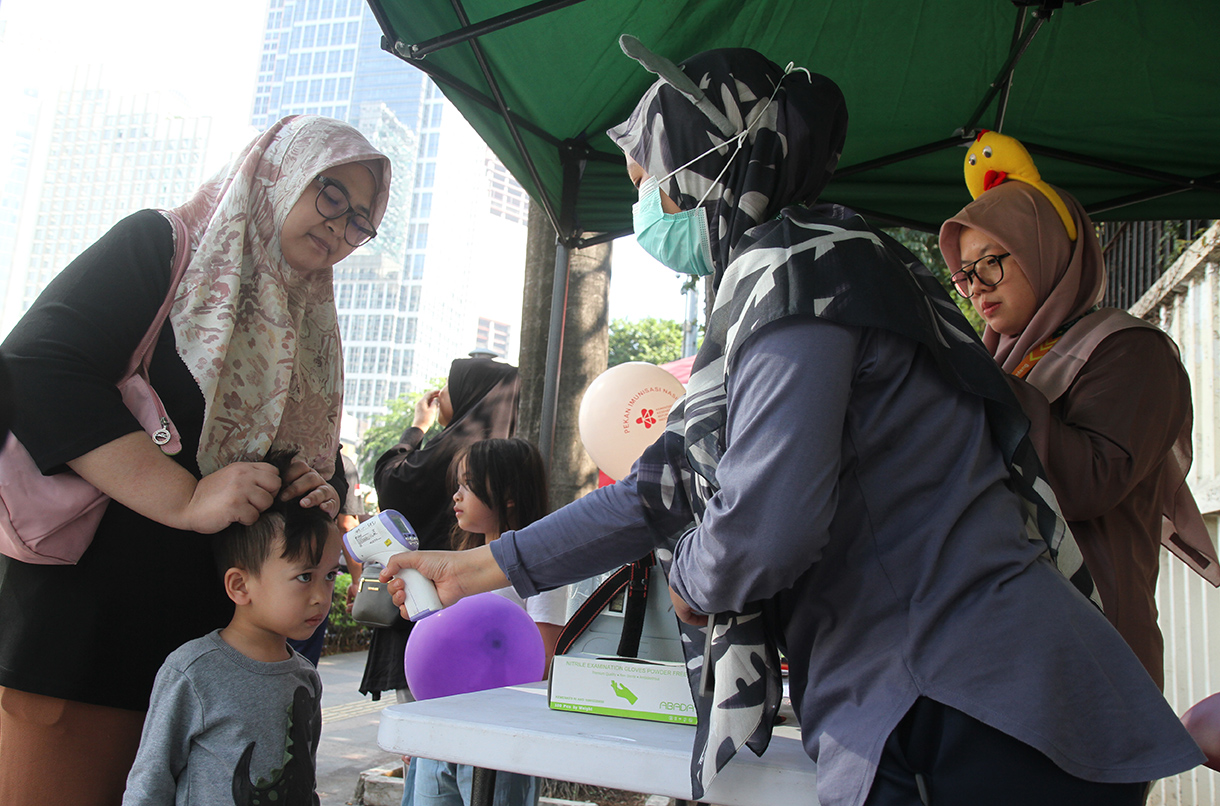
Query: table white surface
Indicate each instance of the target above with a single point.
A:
(513, 729)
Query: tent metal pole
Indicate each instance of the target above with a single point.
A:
(1001, 80)
(515, 133)
(571, 155)
(1002, 104)
(1182, 182)
(442, 78)
(468, 31)
(554, 355)
(1134, 198)
(899, 156)
(581, 243)
(446, 78)
(383, 20)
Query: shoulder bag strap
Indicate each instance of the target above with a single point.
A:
(142, 356)
(634, 578)
(635, 607)
(591, 607)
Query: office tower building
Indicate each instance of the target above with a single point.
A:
(458, 237)
(493, 337)
(17, 141)
(87, 157)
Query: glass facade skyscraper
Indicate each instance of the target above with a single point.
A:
(91, 158)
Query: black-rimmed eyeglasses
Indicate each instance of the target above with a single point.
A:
(987, 271)
(333, 202)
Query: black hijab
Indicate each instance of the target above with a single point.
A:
(416, 480)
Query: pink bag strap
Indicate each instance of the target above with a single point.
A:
(142, 356)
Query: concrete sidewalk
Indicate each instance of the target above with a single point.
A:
(349, 729)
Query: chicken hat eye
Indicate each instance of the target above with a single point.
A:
(987, 152)
(971, 158)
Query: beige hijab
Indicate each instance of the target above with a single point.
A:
(1068, 279)
(260, 339)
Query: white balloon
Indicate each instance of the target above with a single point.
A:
(623, 411)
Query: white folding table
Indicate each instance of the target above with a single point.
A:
(513, 729)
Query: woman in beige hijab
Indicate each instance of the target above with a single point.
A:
(1107, 397)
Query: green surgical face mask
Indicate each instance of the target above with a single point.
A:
(679, 241)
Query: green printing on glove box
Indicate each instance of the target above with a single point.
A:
(623, 687)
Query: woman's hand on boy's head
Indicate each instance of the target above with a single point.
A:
(237, 493)
(300, 479)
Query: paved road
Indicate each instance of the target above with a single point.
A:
(349, 729)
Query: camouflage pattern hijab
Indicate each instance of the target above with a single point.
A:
(774, 257)
(742, 184)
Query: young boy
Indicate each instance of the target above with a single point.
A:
(235, 716)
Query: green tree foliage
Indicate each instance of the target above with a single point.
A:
(387, 429)
(657, 341)
(926, 247)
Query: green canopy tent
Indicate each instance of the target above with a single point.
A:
(1118, 100)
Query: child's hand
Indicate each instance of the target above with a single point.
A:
(456, 574)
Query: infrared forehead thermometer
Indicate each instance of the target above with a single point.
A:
(380, 538)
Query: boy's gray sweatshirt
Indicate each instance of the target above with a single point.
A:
(228, 730)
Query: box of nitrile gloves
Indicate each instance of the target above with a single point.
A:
(624, 687)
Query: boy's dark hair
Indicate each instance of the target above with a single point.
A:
(499, 471)
(304, 529)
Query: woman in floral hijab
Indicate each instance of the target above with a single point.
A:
(248, 360)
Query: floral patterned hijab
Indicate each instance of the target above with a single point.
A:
(260, 339)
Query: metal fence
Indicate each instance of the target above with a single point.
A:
(1185, 306)
(1189, 614)
(1138, 252)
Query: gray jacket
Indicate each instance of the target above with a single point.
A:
(865, 498)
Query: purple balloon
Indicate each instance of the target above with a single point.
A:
(481, 642)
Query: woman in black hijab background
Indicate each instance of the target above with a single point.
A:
(478, 402)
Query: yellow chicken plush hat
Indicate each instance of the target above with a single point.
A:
(995, 157)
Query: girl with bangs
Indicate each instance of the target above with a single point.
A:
(501, 485)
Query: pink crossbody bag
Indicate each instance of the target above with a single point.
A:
(51, 520)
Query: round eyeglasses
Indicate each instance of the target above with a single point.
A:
(987, 271)
(333, 202)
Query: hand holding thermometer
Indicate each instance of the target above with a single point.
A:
(380, 538)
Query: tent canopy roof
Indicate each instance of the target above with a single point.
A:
(1118, 99)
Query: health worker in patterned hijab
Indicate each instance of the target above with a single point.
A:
(847, 480)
